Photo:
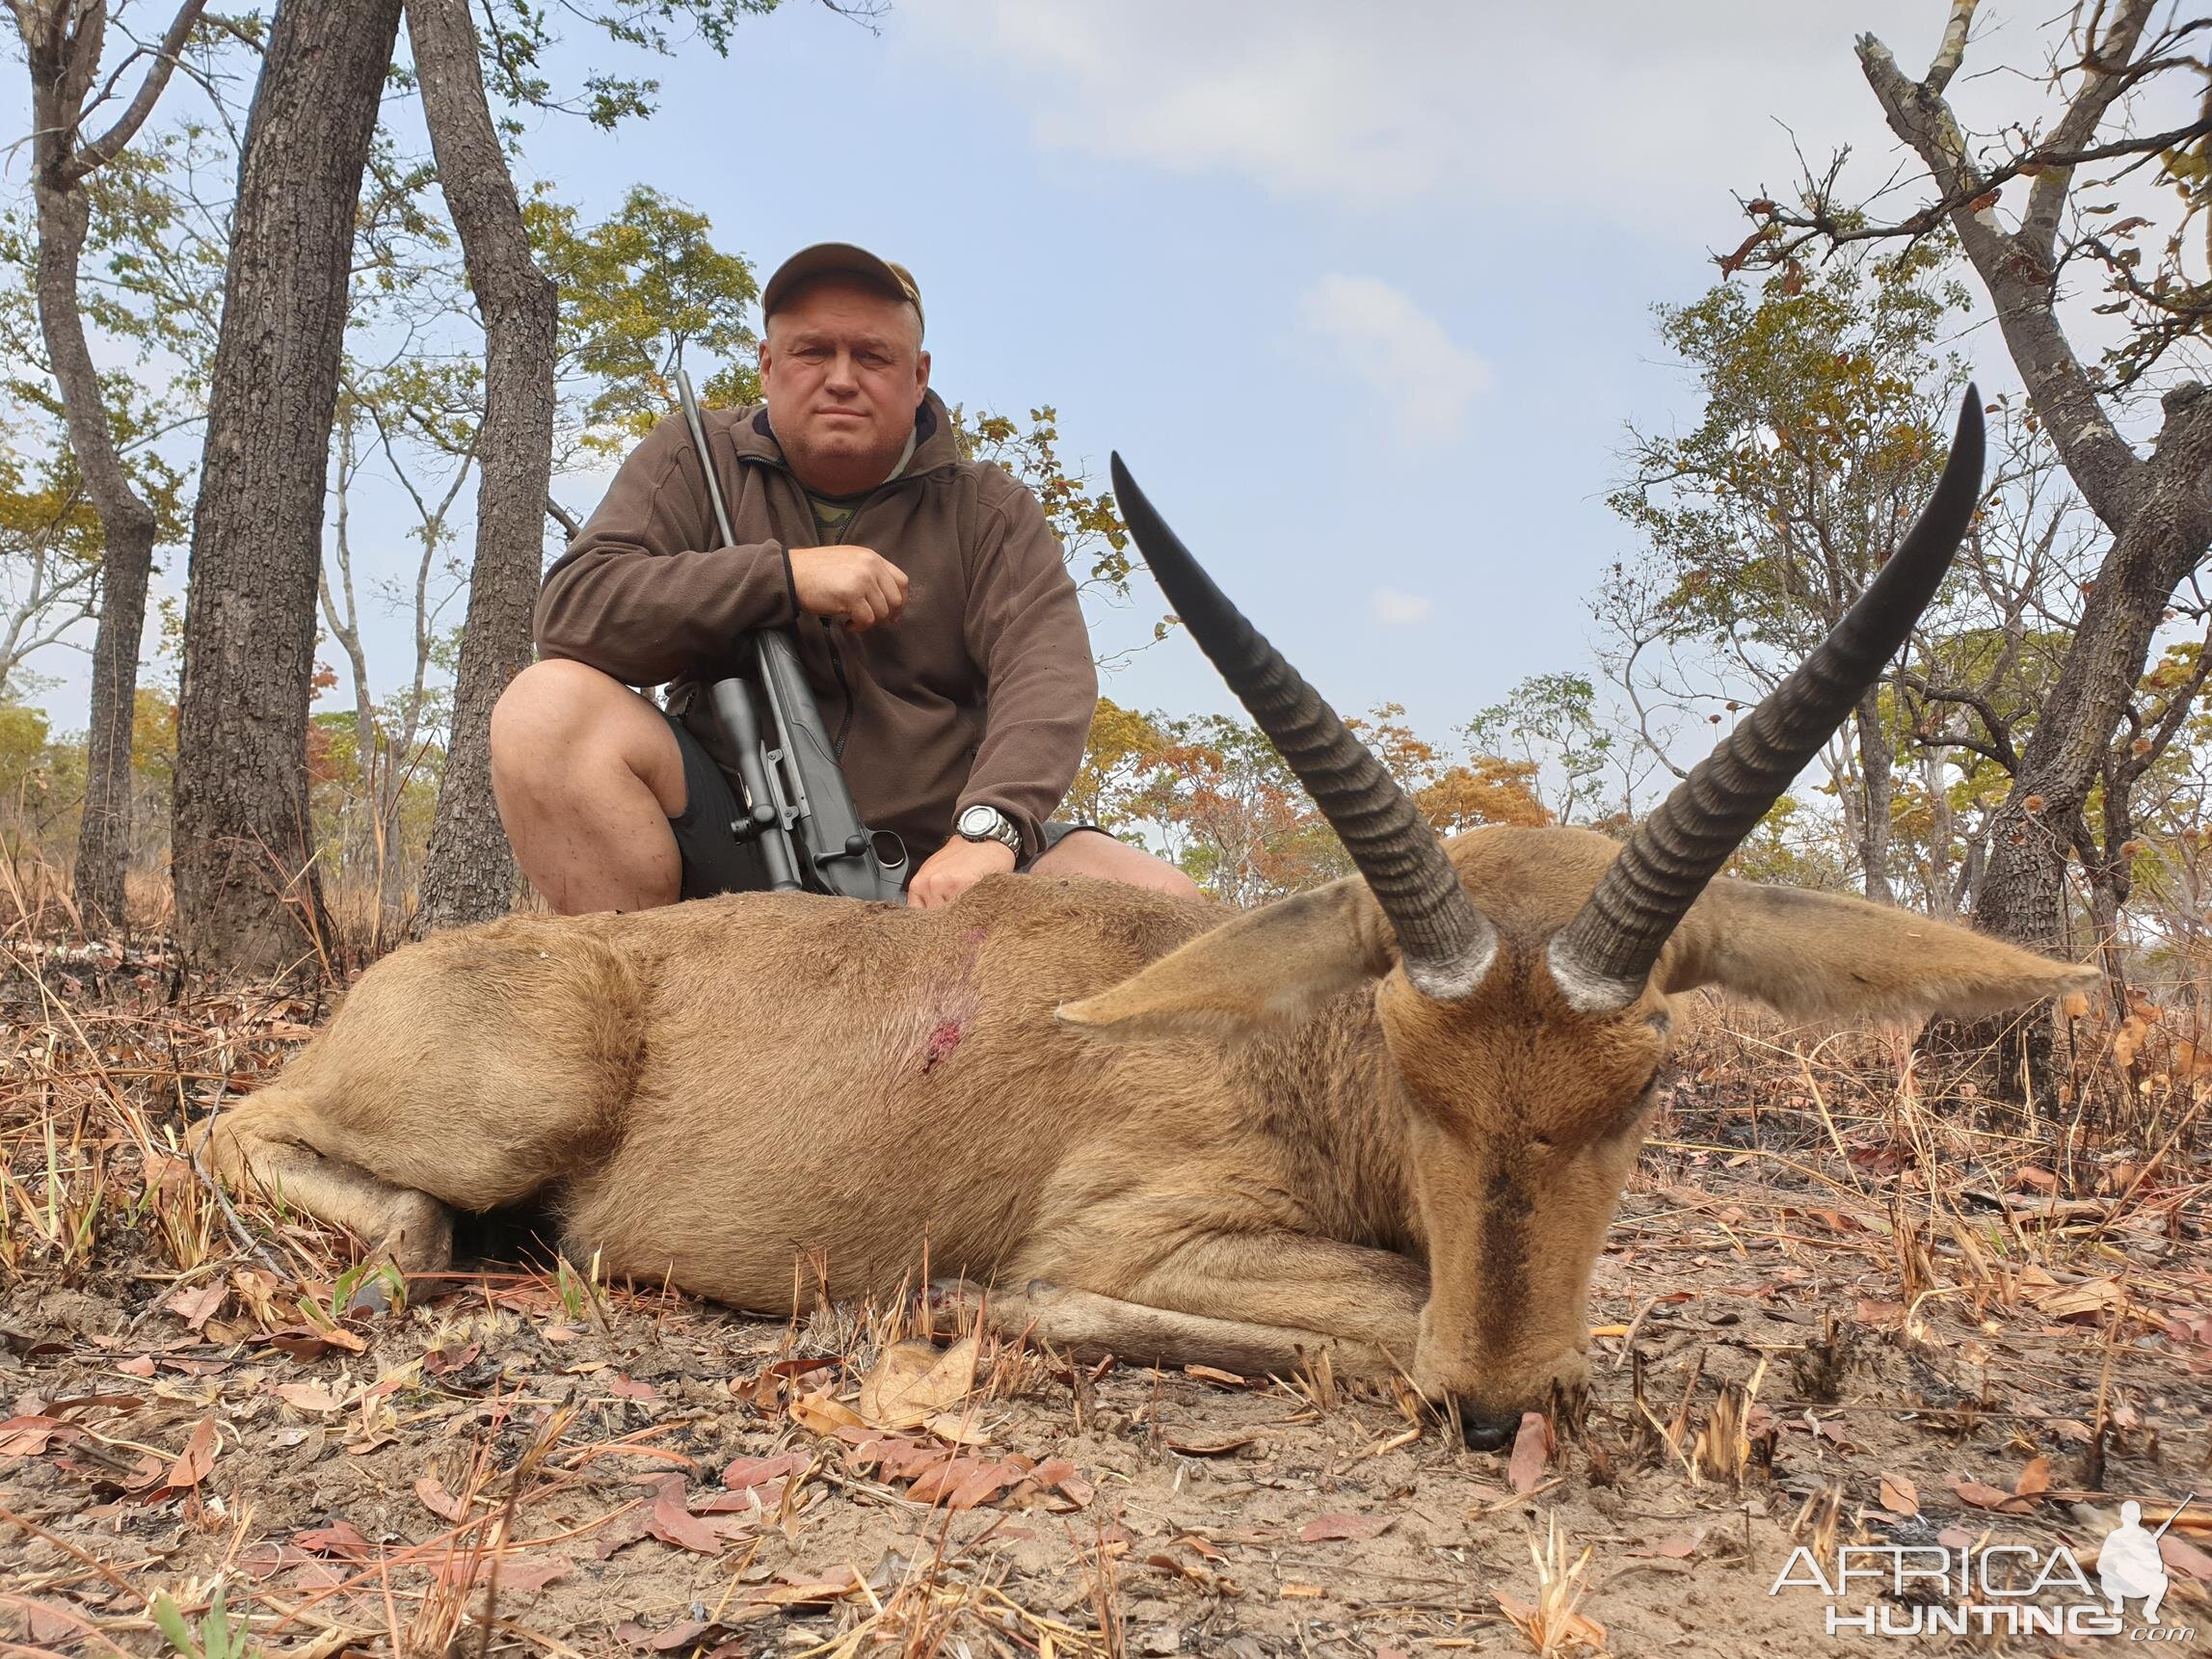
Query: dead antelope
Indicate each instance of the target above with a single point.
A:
(1390, 1118)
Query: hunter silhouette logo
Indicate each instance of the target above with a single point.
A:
(1994, 1588)
(2128, 1564)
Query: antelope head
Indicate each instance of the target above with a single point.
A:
(1522, 976)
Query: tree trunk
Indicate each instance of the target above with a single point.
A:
(1942, 830)
(471, 872)
(243, 839)
(62, 47)
(2156, 507)
(128, 527)
(1875, 793)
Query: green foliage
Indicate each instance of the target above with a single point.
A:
(1086, 522)
(1822, 434)
(637, 289)
(215, 1638)
(516, 39)
(1550, 720)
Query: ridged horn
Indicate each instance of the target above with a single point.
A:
(1448, 943)
(1601, 959)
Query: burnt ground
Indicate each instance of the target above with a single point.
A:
(1828, 1313)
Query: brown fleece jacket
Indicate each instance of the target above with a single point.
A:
(982, 690)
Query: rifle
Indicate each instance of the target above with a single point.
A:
(797, 808)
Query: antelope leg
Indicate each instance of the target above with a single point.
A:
(1296, 1280)
(1087, 1324)
(251, 1155)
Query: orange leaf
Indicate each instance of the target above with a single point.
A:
(2035, 1478)
(438, 1501)
(1531, 1451)
(669, 1521)
(198, 1458)
(1898, 1495)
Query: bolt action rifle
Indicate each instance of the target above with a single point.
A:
(797, 810)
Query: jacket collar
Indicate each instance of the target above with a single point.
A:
(755, 439)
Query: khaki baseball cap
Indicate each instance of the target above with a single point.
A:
(842, 258)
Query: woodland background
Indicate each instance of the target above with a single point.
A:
(234, 296)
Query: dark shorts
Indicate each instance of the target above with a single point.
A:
(715, 861)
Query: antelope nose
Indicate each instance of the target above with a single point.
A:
(1486, 1431)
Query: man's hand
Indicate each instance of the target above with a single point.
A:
(857, 584)
(954, 868)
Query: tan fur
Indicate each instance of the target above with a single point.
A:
(1155, 1130)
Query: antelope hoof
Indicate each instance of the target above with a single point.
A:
(956, 1304)
(420, 1237)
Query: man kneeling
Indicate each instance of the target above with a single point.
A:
(947, 647)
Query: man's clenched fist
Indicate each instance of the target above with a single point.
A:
(856, 583)
(954, 869)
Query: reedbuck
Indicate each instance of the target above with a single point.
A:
(1389, 1118)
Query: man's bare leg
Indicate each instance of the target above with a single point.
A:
(587, 775)
(1090, 852)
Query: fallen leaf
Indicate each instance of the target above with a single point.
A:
(913, 1382)
(629, 1390)
(942, 1480)
(745, 1472)
(1983, 1497)
(668, 1520)
(438, 1501)
(2183, 1555)
(1531, 1451)
(792, 1592)
(437, 1361)
(142, 1366)
(196, 1458)
(341, 1538)
(196, 1306)
(1328, 1528)
(27, 1436)
(523, 1574)
(2073, 1301)
(823, 1414)
(958, 1428)
(2035, 1478)
(1898, 1495)
(1211, 1445)
(307, 1397)
(1293, 1588)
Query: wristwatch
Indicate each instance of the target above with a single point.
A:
(984, 822)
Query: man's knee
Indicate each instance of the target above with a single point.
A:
(559, 719)
(1094, 853)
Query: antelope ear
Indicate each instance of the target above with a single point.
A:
(1277, 964)
(1809, 955)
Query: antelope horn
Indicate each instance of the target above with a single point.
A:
(1448, 943)
(1601, 959)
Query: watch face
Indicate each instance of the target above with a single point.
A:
(978, 820)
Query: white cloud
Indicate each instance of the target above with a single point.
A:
(1620, 112)
(1403, 355)
(1394, 609)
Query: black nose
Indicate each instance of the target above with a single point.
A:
(1486, 1431)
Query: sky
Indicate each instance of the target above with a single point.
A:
(1360, 293)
